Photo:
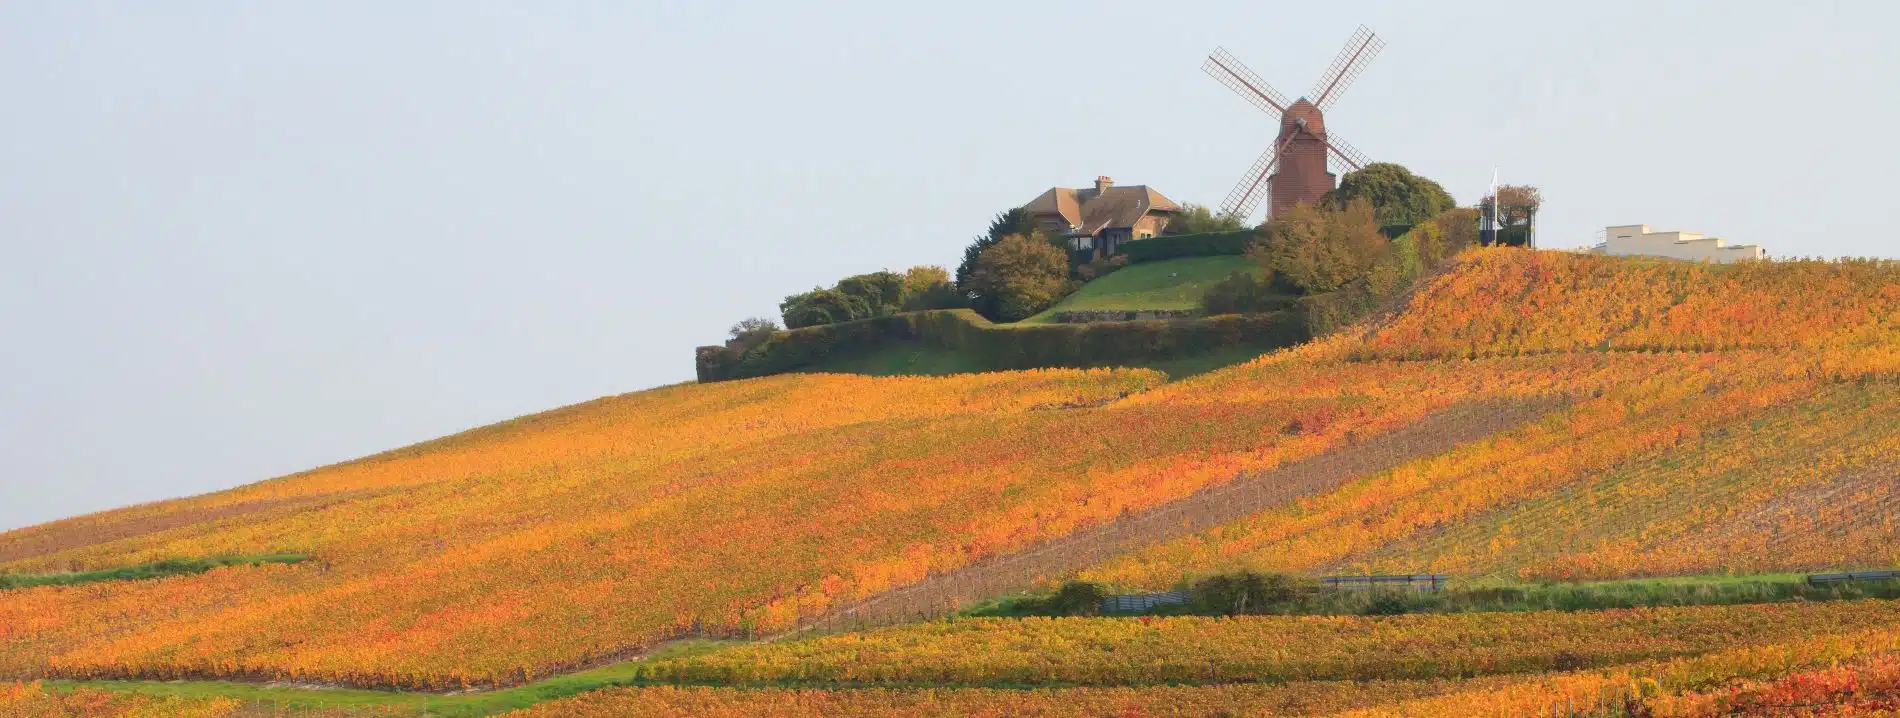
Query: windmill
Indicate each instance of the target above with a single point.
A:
(1293, 169)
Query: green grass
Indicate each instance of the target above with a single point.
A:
(913, 357)
(161, 569)
(1502, 597)
(399, 702)
(1167, 284)
(918, 358)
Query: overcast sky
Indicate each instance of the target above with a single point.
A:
(242, 239)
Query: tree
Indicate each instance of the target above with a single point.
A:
(1398, 197)
(1014, 221)
(1198, 219)
(1320, 249)
(1019, 276)
(929, 287)
(882, 291)
(1517, 207)
(921, 278)
(749, 333)
(822, 306)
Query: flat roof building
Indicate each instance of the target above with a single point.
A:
(1636, 240)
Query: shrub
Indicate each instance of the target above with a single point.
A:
(928, 286)
(749, 333)
(993, 347)
(1322, 249)
(1101, 267)
(1243, 293)
(1198, 219)
(1076, 598)
(1248, 593)
(882, 292)
(1021, 275)
(1099, 343)
(822, 306)
(1189, 245)
(1388, 604)
(942, 295)
(1322, 314)
(1397, 269)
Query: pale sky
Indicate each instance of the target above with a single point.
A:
(243, 239)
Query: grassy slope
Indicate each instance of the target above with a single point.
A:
(1171, 284)
(1168, 284)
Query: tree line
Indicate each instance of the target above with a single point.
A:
(1014, 270)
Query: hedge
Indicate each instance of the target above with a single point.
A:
(1102, 342)
(1211, 244)
(1322, 314)
(1003, 347)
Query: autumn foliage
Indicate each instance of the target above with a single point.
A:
(1712, 419)
(31, 700)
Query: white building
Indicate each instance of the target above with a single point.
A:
(1637, 240)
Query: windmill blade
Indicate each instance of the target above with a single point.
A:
(1222, 66)
(1346, 152)
(1360, 49)
(1246, 195)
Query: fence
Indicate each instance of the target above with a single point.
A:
(1143, 602)
(1415, 582)
(1817, 579)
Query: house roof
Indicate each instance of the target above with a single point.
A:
(1090, 211)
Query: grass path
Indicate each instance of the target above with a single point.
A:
(452, 705)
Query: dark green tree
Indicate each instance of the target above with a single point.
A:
(1399, 198)
(822, 306)
(1014, 221)
(882, 291)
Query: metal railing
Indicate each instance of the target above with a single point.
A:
(1414, 582)
(1816, 579)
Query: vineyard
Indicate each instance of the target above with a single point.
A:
(1196, 650)
(1639, 418)
(1702, 661)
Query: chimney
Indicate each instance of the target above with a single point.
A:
(1103, 183)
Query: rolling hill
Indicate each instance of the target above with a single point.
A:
(1644, 419)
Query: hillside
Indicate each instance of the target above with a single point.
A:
(1171, 284)
(1656, 419)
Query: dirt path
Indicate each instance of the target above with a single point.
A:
(1249, 494)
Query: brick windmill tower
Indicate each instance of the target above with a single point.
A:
(1293, 169)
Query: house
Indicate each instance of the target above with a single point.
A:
(1637, 240)
(1102, 218)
